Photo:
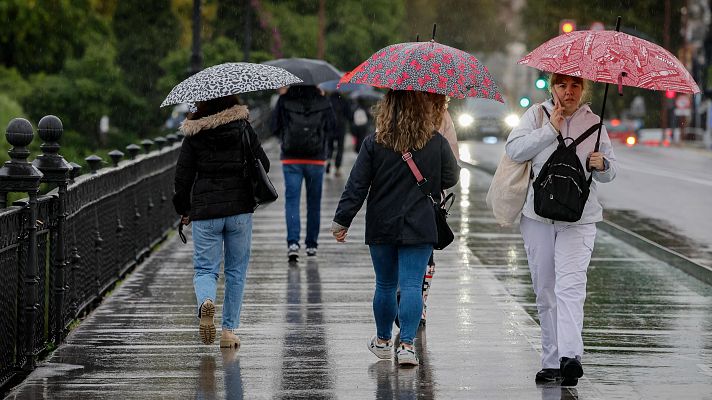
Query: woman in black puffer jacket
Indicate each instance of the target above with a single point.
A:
(214, 191)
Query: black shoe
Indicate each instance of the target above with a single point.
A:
(571, 371)
(547, 375)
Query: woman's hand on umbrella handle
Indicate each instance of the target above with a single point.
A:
(595, 161)
(185, 220)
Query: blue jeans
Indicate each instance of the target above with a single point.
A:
(313, 176)
(396, 266)
(211, 237)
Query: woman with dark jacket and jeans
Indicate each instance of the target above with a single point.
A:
(214, 191)
(400, 218)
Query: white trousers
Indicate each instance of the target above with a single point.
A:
(558, 256)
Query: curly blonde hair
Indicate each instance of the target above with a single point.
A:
(417, 115)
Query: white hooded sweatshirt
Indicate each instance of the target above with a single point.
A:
(534, 141)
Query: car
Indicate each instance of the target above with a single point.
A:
(481, 119)
(622, 130)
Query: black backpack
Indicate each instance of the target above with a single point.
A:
(304, 127)
(561, 188)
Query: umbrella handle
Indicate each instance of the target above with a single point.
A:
(620, 82)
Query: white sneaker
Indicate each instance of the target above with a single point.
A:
(311, 251)
(382, 351)
(406, 356)
(293, 252)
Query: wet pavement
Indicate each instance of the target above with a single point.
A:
(304, 328)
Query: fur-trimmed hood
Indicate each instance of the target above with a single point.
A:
(190, 127)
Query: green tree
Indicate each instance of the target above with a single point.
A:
(86, 89)
(475, 26)
(356, 29)
(145, 33)
(37, 36)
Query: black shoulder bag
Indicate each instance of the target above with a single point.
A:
(442, 209)
(262, 188)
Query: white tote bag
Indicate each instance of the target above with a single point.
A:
(508, 190)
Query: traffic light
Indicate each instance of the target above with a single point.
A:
(524, 102)
(541, 82)
(670, 94)
(567, 26)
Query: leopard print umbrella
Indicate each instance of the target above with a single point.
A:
(226, 79)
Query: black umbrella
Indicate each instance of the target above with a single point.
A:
(310, 71)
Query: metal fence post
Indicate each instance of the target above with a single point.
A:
(18, 175)
(56, 171)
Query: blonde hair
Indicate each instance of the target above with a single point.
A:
(555, 79)
(406, 120)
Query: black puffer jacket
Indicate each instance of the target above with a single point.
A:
(397, 212)
(210, 180)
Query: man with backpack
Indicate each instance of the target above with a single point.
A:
(303, 120)
(558, 222)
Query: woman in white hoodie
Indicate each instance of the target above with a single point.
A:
(559, 252)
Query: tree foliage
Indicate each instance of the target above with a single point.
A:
(475, 26)
(38, 35)
(146, 31)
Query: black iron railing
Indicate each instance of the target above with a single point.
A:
(60, 252)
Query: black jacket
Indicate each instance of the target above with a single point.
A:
(309, 97)
(211, 180)
(397, 212)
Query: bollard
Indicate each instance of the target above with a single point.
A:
(172, 139)
(94, 162)
(56, 171)
(161, 142)
(18, 175)
(76, 169)
(133, 150)
(147, 144)
(116, 156)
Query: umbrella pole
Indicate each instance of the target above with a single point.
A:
(603, 111)
(605, 97)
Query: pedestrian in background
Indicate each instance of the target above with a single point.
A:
(400, 219)
(304, 122)
(214, 191)
(342, 114)
(362, 123)
(559, 252)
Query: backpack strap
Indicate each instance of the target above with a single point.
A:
(585, 135)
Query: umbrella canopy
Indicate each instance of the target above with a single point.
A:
(428, 67)
(310, 71)
(612, 57)
(226, 79)
(333, 86)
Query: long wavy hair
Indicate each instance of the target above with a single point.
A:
(406, 120)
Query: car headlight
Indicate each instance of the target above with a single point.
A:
(512, 120)
(465, 120)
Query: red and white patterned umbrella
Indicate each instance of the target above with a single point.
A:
(427, 67)
(612, 57)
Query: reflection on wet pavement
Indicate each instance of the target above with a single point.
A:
(305, 369)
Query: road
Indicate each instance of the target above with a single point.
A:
(673, 185)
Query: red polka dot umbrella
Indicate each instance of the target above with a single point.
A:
(427, 67)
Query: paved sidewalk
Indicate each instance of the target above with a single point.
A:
(304, 330)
